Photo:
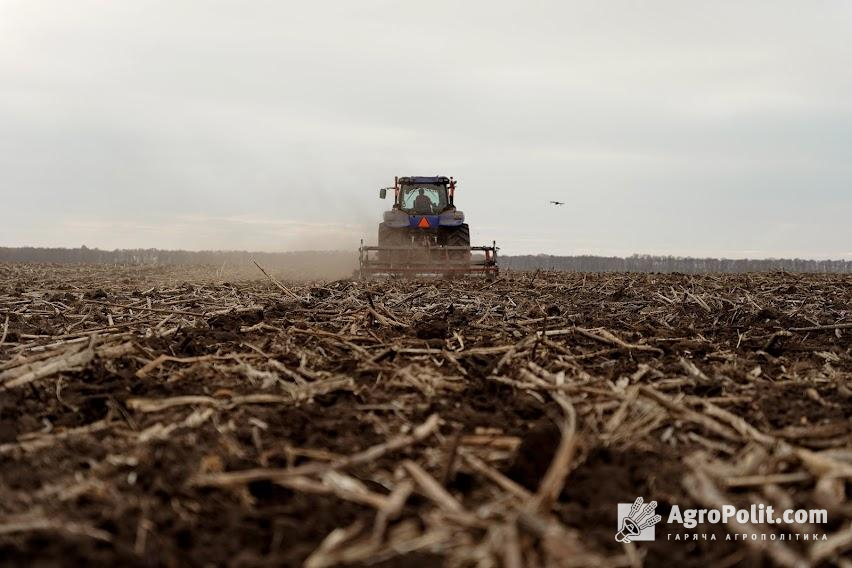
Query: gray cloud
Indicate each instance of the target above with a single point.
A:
(668, 127)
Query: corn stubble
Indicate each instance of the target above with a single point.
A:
(167, 416)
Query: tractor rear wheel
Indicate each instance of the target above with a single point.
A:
(457, 237)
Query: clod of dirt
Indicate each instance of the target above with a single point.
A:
(535, 453)
(200, 341)
(233, 322)
(320, 293)
(8, 431)
(432, 329)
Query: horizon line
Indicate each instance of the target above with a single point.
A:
(355, 251)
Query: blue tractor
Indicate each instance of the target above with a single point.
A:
(424, 232)
(423, 213)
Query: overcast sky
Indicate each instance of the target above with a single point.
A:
(668, 127)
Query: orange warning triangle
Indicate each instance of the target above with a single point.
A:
(424, 223)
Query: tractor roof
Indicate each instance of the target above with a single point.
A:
(428, 180)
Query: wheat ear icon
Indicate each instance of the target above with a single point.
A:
(637, 520)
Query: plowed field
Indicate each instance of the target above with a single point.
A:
(166, 417)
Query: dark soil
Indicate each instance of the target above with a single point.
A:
(76, 449)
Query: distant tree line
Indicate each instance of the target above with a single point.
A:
(301, 264)
(687, 265)
(86, 255)
(347, 261)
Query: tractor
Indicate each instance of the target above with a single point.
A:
(424, 233)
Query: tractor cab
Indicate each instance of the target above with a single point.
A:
(422, 199)
(422, 195)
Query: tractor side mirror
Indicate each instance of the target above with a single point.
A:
(383, 193)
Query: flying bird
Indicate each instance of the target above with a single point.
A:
(558, 202)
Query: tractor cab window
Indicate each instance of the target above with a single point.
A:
(423, 199)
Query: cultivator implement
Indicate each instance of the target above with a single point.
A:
(427, 260)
